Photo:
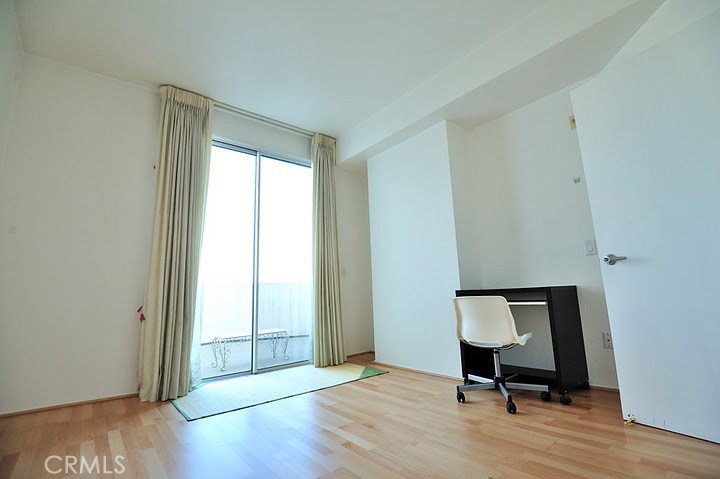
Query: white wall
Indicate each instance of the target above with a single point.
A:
(354, 250)
(521, 219)
(414, 254)
(11, 54)
(76, 195)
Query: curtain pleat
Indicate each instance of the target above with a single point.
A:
(164, 370)
(328, 342)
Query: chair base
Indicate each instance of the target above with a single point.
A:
(502, 384)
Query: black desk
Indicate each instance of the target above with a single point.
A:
(565, 329)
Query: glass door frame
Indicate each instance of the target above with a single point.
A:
(230, 145)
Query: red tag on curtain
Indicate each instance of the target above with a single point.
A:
(142, 316)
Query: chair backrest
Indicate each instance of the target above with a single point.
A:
(485, 319)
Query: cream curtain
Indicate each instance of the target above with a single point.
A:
(164, 370)
(328, 345)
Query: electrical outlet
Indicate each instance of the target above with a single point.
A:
(607, 340)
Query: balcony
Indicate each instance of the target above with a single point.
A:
(284, 321)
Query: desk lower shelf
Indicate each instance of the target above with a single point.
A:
(540, 376)
(548, 374)
(479, 362)
(536, 376)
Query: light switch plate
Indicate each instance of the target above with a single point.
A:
(590, 247)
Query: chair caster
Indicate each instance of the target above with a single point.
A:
(565, 399)
(546, 396)
(460, 397)
(510, 407)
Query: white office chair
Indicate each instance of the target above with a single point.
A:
(486, 322)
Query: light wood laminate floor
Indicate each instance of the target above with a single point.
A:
(402, 424)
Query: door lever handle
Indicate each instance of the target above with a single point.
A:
(611, 259)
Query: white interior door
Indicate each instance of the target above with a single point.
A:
(649, 133)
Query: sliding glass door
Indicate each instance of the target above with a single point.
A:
(285, 257)
(225, 285)
(255, 269)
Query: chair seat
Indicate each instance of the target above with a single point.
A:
(496, 345)
(486, 344)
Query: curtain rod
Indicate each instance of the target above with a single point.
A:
(263, 119)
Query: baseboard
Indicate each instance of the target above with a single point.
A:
(427, 373)
(604, 388)
(360, 354)
(443, 376)
(405, 369)
(60, 406)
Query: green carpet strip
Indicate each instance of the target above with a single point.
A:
(218, 397)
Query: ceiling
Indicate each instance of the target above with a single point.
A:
(323, 65)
